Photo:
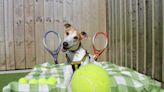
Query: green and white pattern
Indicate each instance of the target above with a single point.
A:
(122, 80)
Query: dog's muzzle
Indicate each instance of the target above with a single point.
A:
(65, 46)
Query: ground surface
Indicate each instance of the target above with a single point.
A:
(6, 78)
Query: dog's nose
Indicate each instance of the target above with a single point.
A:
(65, 44)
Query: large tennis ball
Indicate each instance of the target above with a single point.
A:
(51, 81)
(33, 81)
(23, 80)
(42, 81)
(90, 78)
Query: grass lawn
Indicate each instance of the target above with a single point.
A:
(6, 78)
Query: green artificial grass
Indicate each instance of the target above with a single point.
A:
(7, 78)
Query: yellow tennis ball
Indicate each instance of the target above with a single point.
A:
(23, 80)
(51, 81)
(51, 78)
(42, 81)
(33, 81)
(90, 78)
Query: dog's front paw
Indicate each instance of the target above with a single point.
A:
(67, 74)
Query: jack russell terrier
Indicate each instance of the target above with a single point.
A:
(75, 53)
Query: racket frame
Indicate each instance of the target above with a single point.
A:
(55, 52)
(98, 52)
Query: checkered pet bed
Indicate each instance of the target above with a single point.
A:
(122, 80)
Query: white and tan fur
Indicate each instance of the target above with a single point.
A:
(74, 50)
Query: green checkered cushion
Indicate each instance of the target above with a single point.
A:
(122, 80)
(40, 71)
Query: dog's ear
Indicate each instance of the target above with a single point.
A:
(83, 35)
(67, 25)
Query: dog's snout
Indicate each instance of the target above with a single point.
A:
(65, 44)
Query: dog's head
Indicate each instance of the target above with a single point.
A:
(72, 39)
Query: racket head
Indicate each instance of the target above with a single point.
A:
(55, 51)
(98, 51)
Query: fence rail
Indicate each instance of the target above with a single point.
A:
(23, 22)
(136, 28)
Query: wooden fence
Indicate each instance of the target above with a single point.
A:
(136, 29)
(23, 22)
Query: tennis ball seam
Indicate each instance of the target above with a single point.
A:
(89, 80)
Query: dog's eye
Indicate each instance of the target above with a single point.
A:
(76, 37)
(67, 33)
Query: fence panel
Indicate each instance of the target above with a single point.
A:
(138, 42)
(23, 23)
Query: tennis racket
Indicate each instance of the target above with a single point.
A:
(104, 38)
(53, 52)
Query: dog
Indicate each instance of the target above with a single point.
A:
(75, 53)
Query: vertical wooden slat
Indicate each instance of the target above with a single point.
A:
(125, 27)
(76, 13)
(109, 29)
(141, 36)
(116, 30)
(113, 34)
(85, 24)
(158, 39)
(60, 5)
(153, 40)
(19, 34)
(10, 60)
(137, 37)
(163, 45)
(129, 34)
(93, 19)
(134, 40)
(149, 37)
(55, 23)
(67, 15)
(145, 40)
(2, 37)
(68, 11)
(39, 30)
(29, 33)
(48, 24)
(121, 32)
(102, 25)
